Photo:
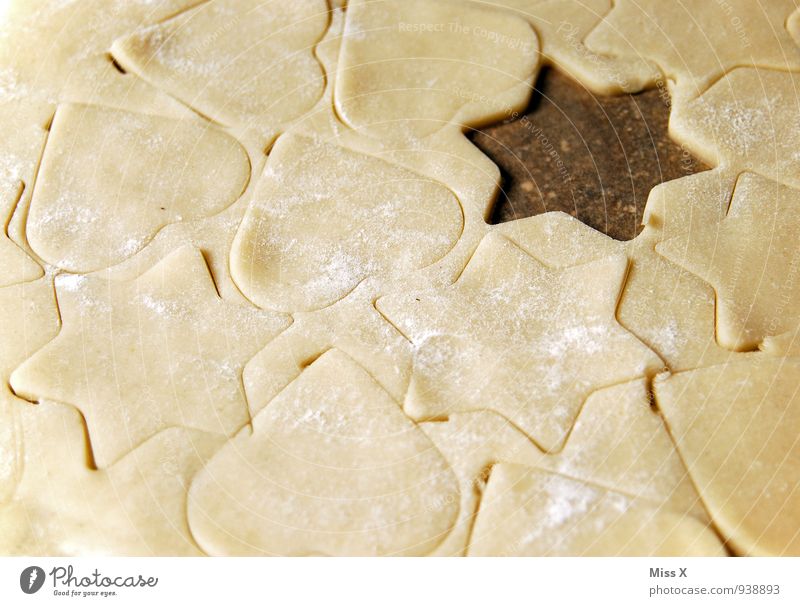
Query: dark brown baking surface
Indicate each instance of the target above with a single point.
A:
(593, 157)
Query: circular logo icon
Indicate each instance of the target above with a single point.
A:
(31, 579)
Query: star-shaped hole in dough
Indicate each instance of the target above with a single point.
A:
(332, 467)
(736, 428)
(695, 43)
(137, 507)
(136, 357)
(513, 336)
(751, 259)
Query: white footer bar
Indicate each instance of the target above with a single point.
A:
(406, 582)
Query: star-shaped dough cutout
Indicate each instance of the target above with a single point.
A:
(29, 321)
(137, 507)
(618, 442)
(516, 337)
(748, 120)
(17, 266)
(698, 42)
(751, 259)
(136, 357)
(670, 309)
(736, 427)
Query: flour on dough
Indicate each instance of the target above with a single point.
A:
(136, 357)
(249, 64)
(529, 512)
(412, 67)
(748, 120)
(57, 52)
(331, 467)
(618, 443)
(667, 307)
(516, 337)
(110, 179)
(324, 218)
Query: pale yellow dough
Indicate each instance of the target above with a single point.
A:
(110, 179)
(529, 512)
(748, 120)
(518, 338)
(735, 425)
(214, 235)
(618, 442)
(562, 27)
(135, 508)
(752, 260)
(331, 467)
(243, 63)
(786, 344)
(793, 25)
(54, 52)
(324, 218)
(29, 320)
(24, 124)
(667, 307)
(137, 357)
(412, 67)
(695, 43)
(354, 327)
(17, 265)
(178, 177)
